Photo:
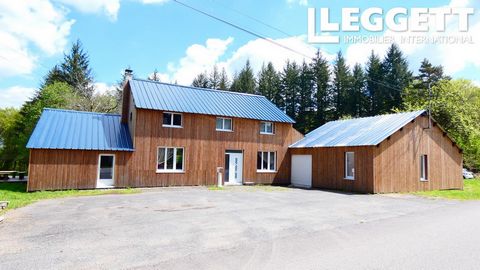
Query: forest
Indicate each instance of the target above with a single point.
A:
(312, 93)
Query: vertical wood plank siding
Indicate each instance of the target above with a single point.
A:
(70, 169)
(204, 152)
(328, 168)
(397, 160)
(393, 166)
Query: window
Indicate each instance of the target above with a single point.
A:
(224, 124)
(266, 128)
(170, 159)
(423, 168)
(266, 161)
(172, 119)
(350, 165)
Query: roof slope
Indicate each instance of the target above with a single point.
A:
(64, 129)
(357, 132)
(169, 97)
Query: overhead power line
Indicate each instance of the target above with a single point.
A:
(265, 38)
(253, 18)
(243, 29)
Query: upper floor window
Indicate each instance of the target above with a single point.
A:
(350, 165)
(423, 168)
(266, 127)
(172, 119)
(224, 124)
(170, 159)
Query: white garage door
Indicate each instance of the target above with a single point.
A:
(302, 170)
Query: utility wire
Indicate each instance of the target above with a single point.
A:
(253, 18)
(265, 38)
(243, 29)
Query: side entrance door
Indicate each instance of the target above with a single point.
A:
(234, 167)
(302, 171)
(106, 171)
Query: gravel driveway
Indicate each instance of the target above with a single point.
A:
(242, 228)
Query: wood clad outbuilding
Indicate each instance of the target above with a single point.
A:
(392, 163)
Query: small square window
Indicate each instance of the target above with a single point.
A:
(223, 124)
(172, 119)
(266, 128)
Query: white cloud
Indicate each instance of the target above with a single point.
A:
(109, 7)
(103, 88)
(454, 57)
(200, 58)
(30, 24)
(259, 51)
(299, 2)
(15, 96)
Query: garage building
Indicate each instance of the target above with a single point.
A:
(401, 152)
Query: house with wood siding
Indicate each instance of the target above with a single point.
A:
(401, 152)
(171, 135)
(167, 135)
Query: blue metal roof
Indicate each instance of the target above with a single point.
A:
(357, 132)
(170, 97)
(64, 129)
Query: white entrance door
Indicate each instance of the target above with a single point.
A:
(235, 168)
(302, 171)
(106, 171)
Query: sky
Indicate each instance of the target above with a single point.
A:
(163, 35)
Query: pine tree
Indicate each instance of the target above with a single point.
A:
(224, 83)
(245, 81)
(374, 78)
(397, 78)
(214, 79)
(201, 81)
(429, 75)
(269, 83)
(306, 114)
(155, 76)
(76, 72)
(53, 75)
(321, 76)
(340, 85)
(290, 88)
(358, 97)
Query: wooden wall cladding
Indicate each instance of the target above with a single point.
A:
(70, 169)
(328, 168)
(205, 150)
(397, 160)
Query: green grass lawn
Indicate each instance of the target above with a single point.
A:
(17, 195)
(471, 191)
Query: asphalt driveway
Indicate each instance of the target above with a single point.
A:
(242, 228)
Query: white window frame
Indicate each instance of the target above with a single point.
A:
(174, 170)
(223, 124)
(171, 125)
(264, 132)
(349, 177)
(100, 161)
(268, 170)
(424, 167)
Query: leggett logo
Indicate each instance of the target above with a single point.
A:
(414, 20)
